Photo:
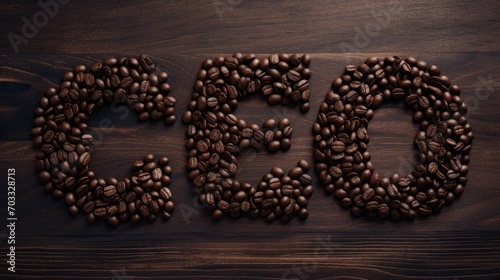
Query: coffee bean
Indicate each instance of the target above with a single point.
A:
(201, 146)
(303, 85)
(287, 131)
(89, 79)
(146, 198)
(372, 205)
(432, 168)
(143, 176)
(338, 146)
(423, 102)
(369, 194)
(85, 159)
(293, 76)
(144, 211)
(240, 196)
(146, 63)
(425, 210)
(213, 73)
(455, 164)
(231, 62)
(109, 191)
(361, 133)
(274, 146)
(305, 179)
(360, 110)
(89, 207)
(100, 212)
(335, 172)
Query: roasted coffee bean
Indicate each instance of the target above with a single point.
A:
(109, 191)
(338, 146)
(335, 172)
(165, 193)
(269, 136)
(100, 212)
(143, 176)
(287, 190)
(369, 194)
(423, 102)
(341, 139)
(88, 207)
(293, 76)
(274, 146)
(146, 63)
(144, 211)
(146, 198)
(231, 62)
(287, 131)
(432, 168)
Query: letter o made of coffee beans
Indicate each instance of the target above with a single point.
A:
(443, 140)
(65, 142)
(215, 136)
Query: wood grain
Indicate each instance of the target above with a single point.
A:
(252, 26)
(461, 242)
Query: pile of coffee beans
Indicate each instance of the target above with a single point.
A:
(215, 136)
(274, 135)
(60, 132)
(443, 140)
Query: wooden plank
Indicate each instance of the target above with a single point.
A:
(256, 26)
(227, 255)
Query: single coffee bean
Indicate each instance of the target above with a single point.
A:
(146, 198)
(293, 76)
(274, 146)
(287, 131)
(109, 191)
(423, 102)
(338, 146)
(335, 172)
(369, 194)
(89, 207)
(100, 212)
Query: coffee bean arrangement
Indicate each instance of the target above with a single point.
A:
(215, 136)
(443, 140)
(60, 132)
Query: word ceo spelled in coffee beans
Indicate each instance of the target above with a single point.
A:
(215, 137)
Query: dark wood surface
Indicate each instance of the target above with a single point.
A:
(462, 242)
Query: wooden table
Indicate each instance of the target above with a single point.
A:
(462, 242)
